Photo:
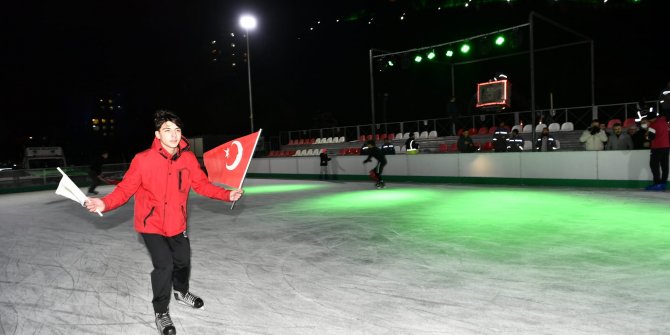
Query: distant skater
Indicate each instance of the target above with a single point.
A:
(95, 172)
(160, 178)
(376, 172)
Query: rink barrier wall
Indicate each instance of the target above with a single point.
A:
(619, 169)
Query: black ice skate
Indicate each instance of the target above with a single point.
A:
(164, 324)
(189, 299)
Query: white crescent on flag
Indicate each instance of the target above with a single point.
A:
(238, 156)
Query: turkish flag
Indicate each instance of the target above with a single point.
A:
(228, 163)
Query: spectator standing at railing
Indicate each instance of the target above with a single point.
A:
(593, 137)
(639, 136)
(411, 145)
(619, 140)
(388, 148)
(515, 142)
(545, 142)
(465, 144)
(500, 138)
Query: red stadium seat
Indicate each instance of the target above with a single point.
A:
(312, 140)
(453, 147)
(369, 137)
(301, 141)
(488, 146)
(290, 142)
(459, 132)
(444, 147)
(483, 130)
(361, 138)
(356, 151)
(391, 137)
(473, 131)
(383, 136)
(492, 131)
(611, 123)
(342, 152)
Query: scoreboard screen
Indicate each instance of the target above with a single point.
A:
(493, 94)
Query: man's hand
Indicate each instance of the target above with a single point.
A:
(236, 195)
(94, 204)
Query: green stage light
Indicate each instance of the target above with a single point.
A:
(418, 59)
(390, 63)
(431, 55)
(500, 40)
(465, 48)
(449, 53)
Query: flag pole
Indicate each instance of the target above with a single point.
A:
(248, 163)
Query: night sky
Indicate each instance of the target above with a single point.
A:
(59, 57)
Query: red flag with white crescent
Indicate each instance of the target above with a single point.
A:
(228, 163)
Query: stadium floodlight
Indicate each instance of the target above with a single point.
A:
(418, 59)
(431, 55)
(449, 53)
(390, 63)
(500, 40)
(465, 48)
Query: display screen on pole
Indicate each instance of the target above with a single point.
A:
(493, 94)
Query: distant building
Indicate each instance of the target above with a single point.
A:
(104, 117)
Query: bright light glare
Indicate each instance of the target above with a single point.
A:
(248, 22)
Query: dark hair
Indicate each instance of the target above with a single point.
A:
(616, 125)
(161, 116)
(516, 131)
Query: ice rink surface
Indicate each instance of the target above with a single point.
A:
(311, 257)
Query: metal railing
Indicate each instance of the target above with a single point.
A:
(580, 116)
(37, 178)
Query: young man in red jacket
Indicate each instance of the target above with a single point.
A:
(160, 178)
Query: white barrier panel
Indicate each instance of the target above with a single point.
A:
(576, 165)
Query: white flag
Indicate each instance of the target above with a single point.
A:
(68, 189)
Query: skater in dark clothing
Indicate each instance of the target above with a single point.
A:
(324, 159)
(95, 172)
(160, 178)
(377, 153)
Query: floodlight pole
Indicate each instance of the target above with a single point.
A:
(532, 79)
(251, 104)
(372, 95)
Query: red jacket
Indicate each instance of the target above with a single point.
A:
(161, 184)
(661, 139)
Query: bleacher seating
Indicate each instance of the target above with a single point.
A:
(527, 128)
(473, 131)
(517, 127)
(424, 134)
(483, 130)
(539, 127)
(554, 127)
(391, 137)
(432, 134)
(567, 126)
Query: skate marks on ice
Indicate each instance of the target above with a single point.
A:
(341, 258)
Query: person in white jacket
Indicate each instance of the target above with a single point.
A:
(593, 137)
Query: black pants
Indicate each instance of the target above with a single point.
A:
(171, 257)
(379, 169)
(659, 161)
(95, 181)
